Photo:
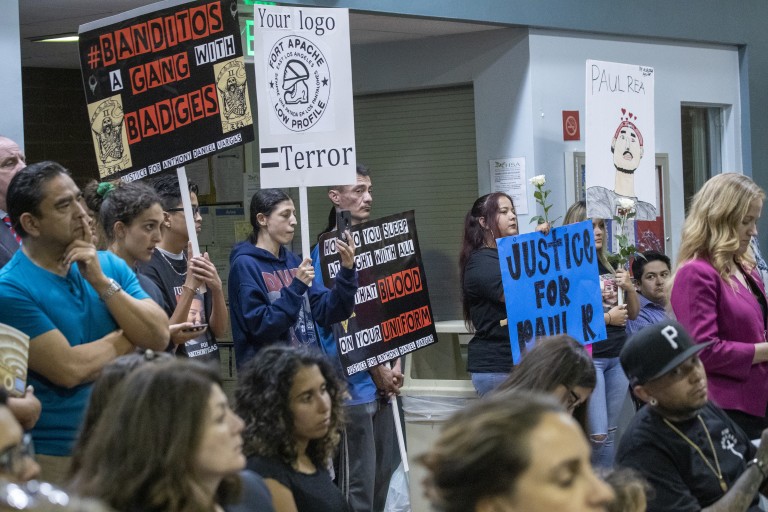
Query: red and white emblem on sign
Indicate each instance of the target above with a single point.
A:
(571, 129)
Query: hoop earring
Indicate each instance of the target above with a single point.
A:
(653, 402)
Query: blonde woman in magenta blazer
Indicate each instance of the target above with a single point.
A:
(718, 295)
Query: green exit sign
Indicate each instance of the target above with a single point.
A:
(249, 37)
(254, 2)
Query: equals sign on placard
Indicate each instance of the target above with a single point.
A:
(269, 165)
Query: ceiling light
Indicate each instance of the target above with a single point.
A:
(70, 37)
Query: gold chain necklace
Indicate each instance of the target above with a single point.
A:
(718, 473)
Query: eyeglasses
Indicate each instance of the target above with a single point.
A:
(572, 401)
(195, 210)
(12, 459)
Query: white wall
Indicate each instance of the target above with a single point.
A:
(683, 74)
(12, 120)
(523, 80)
(495, 62)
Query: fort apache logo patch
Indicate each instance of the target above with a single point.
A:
(299, 82)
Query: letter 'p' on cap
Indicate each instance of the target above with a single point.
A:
(656, 350)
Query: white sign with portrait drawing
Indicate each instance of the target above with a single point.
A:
(304, 96)
(620, 139)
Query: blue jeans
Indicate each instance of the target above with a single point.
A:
(487, 382)
(604, 408)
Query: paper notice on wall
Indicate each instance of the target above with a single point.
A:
(508, 176)
(228, 175)
(198, 173)
(225, 219)
(243, 229)
(251, 185)
(206, 235)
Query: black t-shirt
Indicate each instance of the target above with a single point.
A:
(617, 335)
(254, 495)
(152, 290)
(489, 350)
(312, 493)
(682, 481)
(169, 275)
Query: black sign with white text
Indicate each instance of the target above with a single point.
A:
(392, 314)
(165, 85)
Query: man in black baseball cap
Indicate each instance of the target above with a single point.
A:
(689, 450)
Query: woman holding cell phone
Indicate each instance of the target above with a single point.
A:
(272, 299)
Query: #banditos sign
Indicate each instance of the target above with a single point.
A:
(304, 96)
(165, 85)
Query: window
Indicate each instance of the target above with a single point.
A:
(701, 128)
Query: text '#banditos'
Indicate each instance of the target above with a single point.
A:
(160, 33)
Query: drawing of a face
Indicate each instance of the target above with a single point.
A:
(627, 149)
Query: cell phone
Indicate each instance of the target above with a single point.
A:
(196, 328)
(343, 221)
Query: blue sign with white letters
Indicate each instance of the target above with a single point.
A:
(551, 286)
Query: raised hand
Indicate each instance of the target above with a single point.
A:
(346, 250)
(306, 272)
(203, 269)
(82, 251)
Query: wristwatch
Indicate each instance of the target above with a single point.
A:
(760, 465)
(114, 287)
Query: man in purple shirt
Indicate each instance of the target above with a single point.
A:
(651, 272)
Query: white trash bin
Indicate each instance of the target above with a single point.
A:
(437, 385)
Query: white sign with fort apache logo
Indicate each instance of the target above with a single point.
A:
(304, 93)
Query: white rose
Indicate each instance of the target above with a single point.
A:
(538, 180)
(625, 203)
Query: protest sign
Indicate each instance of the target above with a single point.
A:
(304, 94)
(165, 85)
(551, 286)
(14, 353)
(392, 314)
(620, 139)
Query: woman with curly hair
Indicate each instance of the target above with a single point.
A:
(717, 295)
(130, 217)
(167, 441)
(291, 401)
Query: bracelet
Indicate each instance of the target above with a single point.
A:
(609, 317)
(113, 288)
(759, 465)
(195, 291)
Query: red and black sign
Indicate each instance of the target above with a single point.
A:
(165, 85)
(392, 313)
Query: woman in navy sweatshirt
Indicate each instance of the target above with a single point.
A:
(270, 298)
